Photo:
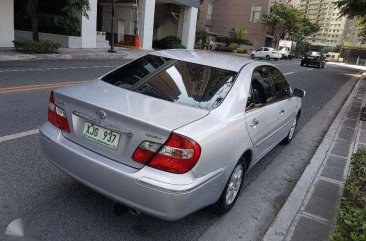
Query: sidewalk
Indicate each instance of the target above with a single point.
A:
(8, 54)
(310, 211)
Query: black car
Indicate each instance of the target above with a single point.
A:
(313, 58)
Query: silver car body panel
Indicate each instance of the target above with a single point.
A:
(223, 133)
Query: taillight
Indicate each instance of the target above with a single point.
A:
(178, 155)
(56, 115)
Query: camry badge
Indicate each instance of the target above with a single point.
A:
(101, 114)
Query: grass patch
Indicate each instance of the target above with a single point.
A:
(351, 219)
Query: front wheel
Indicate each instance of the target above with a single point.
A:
(231, 190)
(291, 133)
(268, 57)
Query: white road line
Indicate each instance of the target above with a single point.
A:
(18, 135)
(59, 68)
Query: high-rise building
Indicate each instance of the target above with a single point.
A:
(327, 16)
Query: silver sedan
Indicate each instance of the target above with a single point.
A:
(173, 131)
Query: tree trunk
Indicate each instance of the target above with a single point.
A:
(32, 11)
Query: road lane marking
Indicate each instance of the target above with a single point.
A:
(39, 86)
(18, 135)
(59, 68)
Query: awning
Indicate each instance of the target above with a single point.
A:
(191, 3)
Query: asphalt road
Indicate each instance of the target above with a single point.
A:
(62, 208)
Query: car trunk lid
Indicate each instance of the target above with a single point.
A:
(136, 117)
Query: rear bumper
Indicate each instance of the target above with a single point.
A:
(137, 188)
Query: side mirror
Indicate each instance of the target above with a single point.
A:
(299, 93)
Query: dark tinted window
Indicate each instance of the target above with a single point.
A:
(131, 73)
(281, 87)
(261, 88)
(266, 49)
(177, 81)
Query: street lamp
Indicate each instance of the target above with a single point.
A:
(112, 28)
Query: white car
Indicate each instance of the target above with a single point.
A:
(267, 53)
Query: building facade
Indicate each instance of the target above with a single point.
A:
(149, 19)
(327, 16)
(219, 17)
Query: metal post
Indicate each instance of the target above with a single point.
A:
(112, 28)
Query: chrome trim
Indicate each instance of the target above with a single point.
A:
(104, 124)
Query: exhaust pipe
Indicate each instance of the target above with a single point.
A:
(135, 212)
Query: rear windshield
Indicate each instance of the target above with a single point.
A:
(185, 83)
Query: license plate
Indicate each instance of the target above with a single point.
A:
(100, 135)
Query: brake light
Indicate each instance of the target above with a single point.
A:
(56, 115)
(178, 155)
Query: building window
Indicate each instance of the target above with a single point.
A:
(255, 16)
(209, 11)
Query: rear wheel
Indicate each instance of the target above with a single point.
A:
(231, 190)
(268, 57)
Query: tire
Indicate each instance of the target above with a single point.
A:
(268, 57)
(318, 66)
(302, 64)
(307, 65)
(252, 56)
(235, 183)
(276, 59)
(291, 133)
(323, 66)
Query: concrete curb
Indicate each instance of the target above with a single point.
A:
(283, 224)
(67, 54)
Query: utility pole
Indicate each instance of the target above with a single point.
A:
(112, 28)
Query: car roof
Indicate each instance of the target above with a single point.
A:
(208, 58)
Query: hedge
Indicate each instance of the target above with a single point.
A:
(170, 42)
(31, 47)
(351, 219)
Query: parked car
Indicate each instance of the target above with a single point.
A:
(173, 131)
(313, 58)
(266, 53)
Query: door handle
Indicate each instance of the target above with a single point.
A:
(282, 112)
(254, 123)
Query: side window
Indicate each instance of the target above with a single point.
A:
(260, 93)
(266, 49)
(258, 50)
(281, 87)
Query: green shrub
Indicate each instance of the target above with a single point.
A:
(221, 48)
(170, 42)
(229, 40)
(233, 46)
(31, 47)
(241, 51)
(351, 219)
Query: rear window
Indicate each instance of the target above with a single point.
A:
(185, 83)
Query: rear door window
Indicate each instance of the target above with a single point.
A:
(185, 83)
(261, 92)
(281, 87)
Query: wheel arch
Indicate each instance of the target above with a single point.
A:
(247, 158)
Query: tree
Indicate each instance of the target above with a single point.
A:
(289, 21)
(352, 8)
(278, 19)
(72, 8)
